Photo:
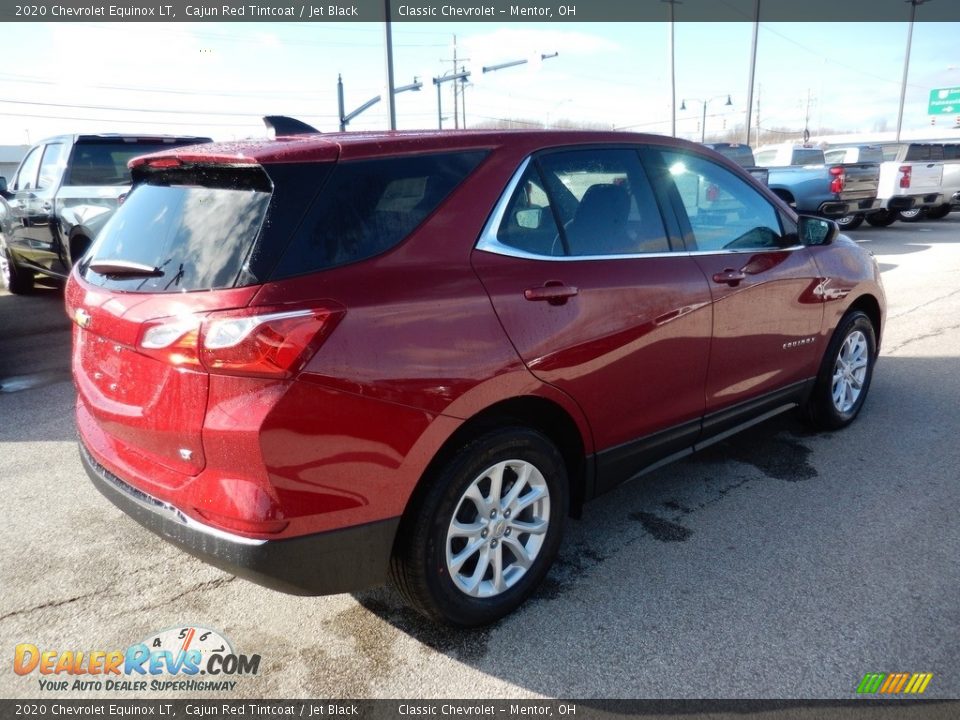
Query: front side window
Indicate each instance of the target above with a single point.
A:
(724, 211)
(27, 176)
(584, 203)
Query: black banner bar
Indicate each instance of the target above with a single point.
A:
(914, 709)
(513, 11)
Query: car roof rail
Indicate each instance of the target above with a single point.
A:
(283, 125)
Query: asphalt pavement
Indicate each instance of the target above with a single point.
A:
(778, 564)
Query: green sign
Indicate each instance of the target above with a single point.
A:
(945, 101)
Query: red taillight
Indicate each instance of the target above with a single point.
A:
(243, 342)
(164, 163)
(838, 179)
(905, 172)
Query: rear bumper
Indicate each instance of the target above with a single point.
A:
(909, 202)
(840, 208)
(346, 560)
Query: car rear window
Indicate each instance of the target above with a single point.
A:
(195, 228)
(924, 153)
(802, 156)
(105, 162)
(740, 154)
(369, 206)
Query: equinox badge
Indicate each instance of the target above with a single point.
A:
(82, 318)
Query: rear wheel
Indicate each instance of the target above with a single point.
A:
(912, 215)
(16, 279)
(939, 212)
(486, 530)
(845, 374)
(882, 218)
(850, 222)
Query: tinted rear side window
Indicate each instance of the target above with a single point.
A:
(807, 157)
(740, 154)
(369, 206)
(196, 228)
(105, 163)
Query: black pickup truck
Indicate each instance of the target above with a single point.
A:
(61, 196)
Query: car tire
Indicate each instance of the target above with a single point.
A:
(845, 374)
(939, 212)
(462, 556)
(913, 214)
(882, 218)
(17, 280)
(850, 222)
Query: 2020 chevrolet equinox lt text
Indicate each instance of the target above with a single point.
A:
(326, 361)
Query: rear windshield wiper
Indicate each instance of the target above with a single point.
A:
(125, 268)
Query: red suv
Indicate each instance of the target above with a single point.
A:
(324, 361)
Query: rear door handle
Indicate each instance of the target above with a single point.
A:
(730, 276)
(555, 293)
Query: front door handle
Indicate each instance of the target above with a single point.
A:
(730, 276)
(555, 293)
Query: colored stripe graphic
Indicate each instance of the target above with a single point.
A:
(870, 683)
(894, 683)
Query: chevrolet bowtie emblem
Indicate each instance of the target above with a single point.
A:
(82, 317)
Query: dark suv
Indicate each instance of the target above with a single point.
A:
(61, 195)
(323, 361)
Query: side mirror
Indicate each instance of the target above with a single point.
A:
(816, 230)
(3, 185)
(530, 218)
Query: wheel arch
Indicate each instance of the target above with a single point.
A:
(869, 305)
(537, 413)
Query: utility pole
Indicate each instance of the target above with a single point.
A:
(388, 43)
(673, 74)
(456, 105)
(753, 67)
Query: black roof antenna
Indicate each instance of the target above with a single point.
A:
(283, 125)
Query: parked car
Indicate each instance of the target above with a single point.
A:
(910, 180)
(800, 175)
(327, 360)
(950, 185)
(742, 155)
(62, 194)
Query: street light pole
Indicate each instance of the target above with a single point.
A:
(906, 63)
(704, 103)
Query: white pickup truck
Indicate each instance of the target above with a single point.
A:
(910, 179)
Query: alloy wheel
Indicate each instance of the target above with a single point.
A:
(498, 528)
(850, 371)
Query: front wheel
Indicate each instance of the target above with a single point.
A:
(882, 218)
(850, 222)
(17, 280)
(939, 212)
(912, 215)
(486, 530)
(845, 373)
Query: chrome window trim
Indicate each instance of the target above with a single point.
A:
(488, 241)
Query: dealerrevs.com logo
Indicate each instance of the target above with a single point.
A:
(188, 658)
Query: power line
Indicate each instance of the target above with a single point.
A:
(145, 110)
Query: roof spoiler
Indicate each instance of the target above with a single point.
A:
(283, 125)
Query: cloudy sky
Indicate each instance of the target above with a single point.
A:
(218, 79)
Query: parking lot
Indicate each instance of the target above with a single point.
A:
(778, 564)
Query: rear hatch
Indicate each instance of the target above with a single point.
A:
(186, 243)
